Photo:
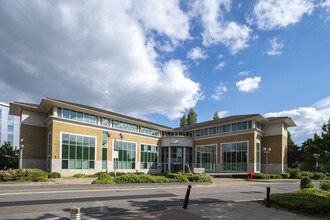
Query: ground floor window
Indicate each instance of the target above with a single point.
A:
(149, 156)
(206, 157)
(126, 154)
(104, 149)
(78, 152)
(258, 152)
(234, 156)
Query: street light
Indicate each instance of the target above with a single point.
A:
(266, 151)
(20, 153)
(115, 153)
(316, 156)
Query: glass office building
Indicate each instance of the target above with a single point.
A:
(9, 126)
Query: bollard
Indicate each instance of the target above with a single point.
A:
(186, 199)
(75, 213)
(268, 197)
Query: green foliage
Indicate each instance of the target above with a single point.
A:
(199, 178)
(325, 186)
(307, 174)
(275, 176)
(8, 156)
(305, 182)
(259, 176)
(285, 175)
(294, 173)
(183, 120)
(192, 117)
(24, 175)
(306, 201)
(104, 178)
(82, 175)
(216, 116)
(177, 177)
(117, 174)
(319, 176)
(54, 175)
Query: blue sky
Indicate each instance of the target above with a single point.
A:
(156, 59)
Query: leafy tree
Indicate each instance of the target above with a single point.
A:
(192, 117)
(8, 156)
(216, 116)
(293, 153)
(183, 120)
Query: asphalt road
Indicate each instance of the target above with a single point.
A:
(48, 201)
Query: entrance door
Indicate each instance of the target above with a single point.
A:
(176, 159)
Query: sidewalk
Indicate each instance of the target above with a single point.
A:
(226, 210)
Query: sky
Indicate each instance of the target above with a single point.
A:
(156, 59)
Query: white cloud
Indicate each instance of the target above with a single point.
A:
(217, 29)
(219, 92)
(106, 59)
(240, 63)
(244, 73)
(309, 120)
(249, 84)
(220, 65)
(196, 53)
(223, 114)
(326, 6)
(275, 47)
(271, 14)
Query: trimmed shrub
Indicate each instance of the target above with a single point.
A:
(24, 175)
(325, 186)
(259, 176)
(275, 176)
(294, 173)
(305, 182)
(285, 175)
(177, 177)
(82, 175)
(307, 174)
(128, 178)
(104, 178)
(199, 178)
(305, 201)
(54, 175)
(117, 174)
(319, 176)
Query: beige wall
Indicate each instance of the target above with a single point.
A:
(35, 142)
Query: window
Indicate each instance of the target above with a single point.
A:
(206, 157)
(234, 156)
(149, 156)
(105, 122)
(124, 126)
(258, 152)
(236, 126)
(150, 131)
(78, 152)
(259, 126)
(126, 154)
(77, 116)
(206, 131)
(104, 149)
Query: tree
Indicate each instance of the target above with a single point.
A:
(216, 116)
(192, 117)
(293, 154)
(8, 156)
(183, 120)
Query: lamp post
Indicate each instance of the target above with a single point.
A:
(266, 151)
(316, 156)
(20, 154)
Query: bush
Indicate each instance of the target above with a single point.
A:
(177, 177)
(54, 175)
(117, 174)
(259, 176)
(104, 178)
(285, 175)
(305, 182)
(275, 176)
(305, 201)
(319, 176)
(81, 175)
(307, 174)
(294, 174)
(24, 175)
(199, 178)
(325, 186)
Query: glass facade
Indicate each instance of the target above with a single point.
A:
(78, 152)
(149, 156)
(236, 126)
(150, 131)
(9, 126)
(104, 149)
(124, 126)
(258, 157)
(77, 116)
(206, 132)
(206, 157)
(234, 156)
(126, 154)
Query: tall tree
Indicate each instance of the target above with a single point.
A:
(293, 154)
(8, 156)
(183, 120)
(192, 117)
(216, 116)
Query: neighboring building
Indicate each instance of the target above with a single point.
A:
(9, 126)
(73, 138)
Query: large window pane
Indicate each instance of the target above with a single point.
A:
(234, 156)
